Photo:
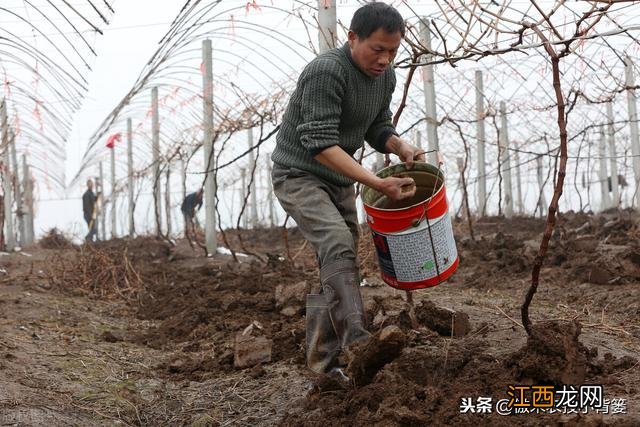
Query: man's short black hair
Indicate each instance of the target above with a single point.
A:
(373, 16)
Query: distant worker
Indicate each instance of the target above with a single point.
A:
(89, 209)
(190, 205)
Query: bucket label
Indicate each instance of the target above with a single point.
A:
(408, 255)
(384, 256)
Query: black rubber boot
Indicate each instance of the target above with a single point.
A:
(341, 288)
(323, 347)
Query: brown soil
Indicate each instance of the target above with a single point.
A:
(139, 332)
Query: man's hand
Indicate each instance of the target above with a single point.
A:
(394, 188)
(397, 188)
(408, 153)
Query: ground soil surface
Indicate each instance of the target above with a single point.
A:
(139, 332)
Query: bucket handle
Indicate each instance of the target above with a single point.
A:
(424, 216)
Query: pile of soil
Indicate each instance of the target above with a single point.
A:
(595, 249)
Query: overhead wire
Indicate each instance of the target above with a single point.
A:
(478, 36)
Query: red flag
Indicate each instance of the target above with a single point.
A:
(111, 141)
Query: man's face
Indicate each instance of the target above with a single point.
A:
(90, 184)
(374, 54)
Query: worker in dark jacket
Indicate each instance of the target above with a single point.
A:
(89, 210)
(341, 100)
(190, 205)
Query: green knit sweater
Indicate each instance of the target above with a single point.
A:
(334, 103)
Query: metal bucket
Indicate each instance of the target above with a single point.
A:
(413, 237)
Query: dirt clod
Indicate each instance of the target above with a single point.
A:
(109, 336)
(599, 275)
(365, 359)
(251, 350)
(444, 321)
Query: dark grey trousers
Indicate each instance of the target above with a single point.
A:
(325, 213)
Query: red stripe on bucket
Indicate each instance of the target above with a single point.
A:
(394, 220)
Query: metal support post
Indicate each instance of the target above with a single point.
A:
(27, 181)
(10, 242)
(482, 171)
(542, 201)
(209, 158)
(17, 190)
(602, 172)
(327, 31)
(430, 96)
(254, 197)
(112, 196)
(167, 199)
(130, 177)
(519, 204)
(613, 161)
(102, 224)
(155, 133)
(506, 161)
(634, 139)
